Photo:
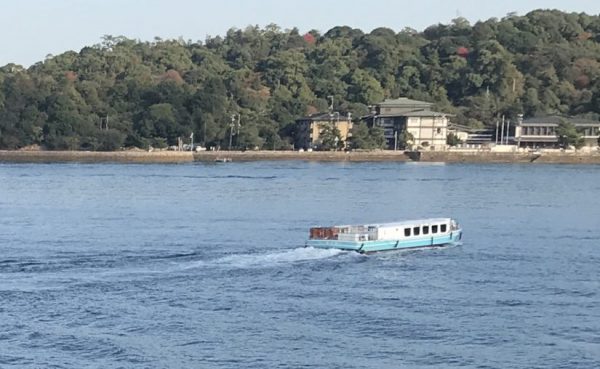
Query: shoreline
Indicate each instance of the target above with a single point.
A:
(95, 157)
(175, 157)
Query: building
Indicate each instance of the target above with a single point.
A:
(540, 132)
(472, 137)
(397, 116)
(309, 129)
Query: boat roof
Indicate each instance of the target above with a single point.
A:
(403, 223)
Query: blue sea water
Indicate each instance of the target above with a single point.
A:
(203, 266)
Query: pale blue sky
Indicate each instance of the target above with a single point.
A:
(31, 29)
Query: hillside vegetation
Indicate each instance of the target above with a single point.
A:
(123, 92)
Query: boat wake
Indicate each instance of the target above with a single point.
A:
(269, 259)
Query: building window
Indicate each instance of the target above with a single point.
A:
(425, 229)
(406, 232)
(439, 131)
(417, 231)
(434, 228)
(443, 228)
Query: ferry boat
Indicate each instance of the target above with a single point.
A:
(387, 236)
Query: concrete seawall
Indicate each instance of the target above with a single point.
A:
(398, 156)
(491, 157)
(95, 157)
(237, 156)
(245, 156)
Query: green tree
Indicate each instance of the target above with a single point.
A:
(453, 140)
(542, 63)
(568, 136)
(405, 138)
(378, 136)
(360, 137)
(330, 138)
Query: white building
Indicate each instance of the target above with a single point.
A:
(428, 128)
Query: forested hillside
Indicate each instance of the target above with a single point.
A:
(123, 92)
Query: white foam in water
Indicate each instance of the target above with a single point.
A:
(279, 257)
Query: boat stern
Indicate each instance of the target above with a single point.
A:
(456, 236)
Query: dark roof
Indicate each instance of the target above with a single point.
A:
(426, 113)
(403, 101)
(463, 128)
(556, 119)
(323, 117)
(409, 113)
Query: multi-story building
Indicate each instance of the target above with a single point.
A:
(309, 129)
(541, 131)
(429, 129)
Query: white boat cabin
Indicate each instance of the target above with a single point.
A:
(406, 230)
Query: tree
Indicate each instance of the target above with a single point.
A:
(330, 138)
(364, 88)
(453, 140)
(249, 138)
(360, 137)
(542, 63)
(568, 136)
(378, 136)
(405, 138)
(365, 138)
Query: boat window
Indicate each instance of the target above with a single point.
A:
(417, 231)
(406, 232)
(434, 228)
(443, 228)
(425, 229)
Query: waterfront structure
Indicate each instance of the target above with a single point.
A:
(475, 137)
(309, 129)
(387, 236)
(397, 117)
(540, 132)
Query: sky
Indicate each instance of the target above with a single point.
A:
(32, 29)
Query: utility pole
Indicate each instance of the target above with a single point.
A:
(396, 140)
(433, 132)
(507, 130)
(502, 131)
(192, 141)
(497, 122)
(231, 125)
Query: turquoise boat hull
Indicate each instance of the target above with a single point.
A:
(388, 245)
